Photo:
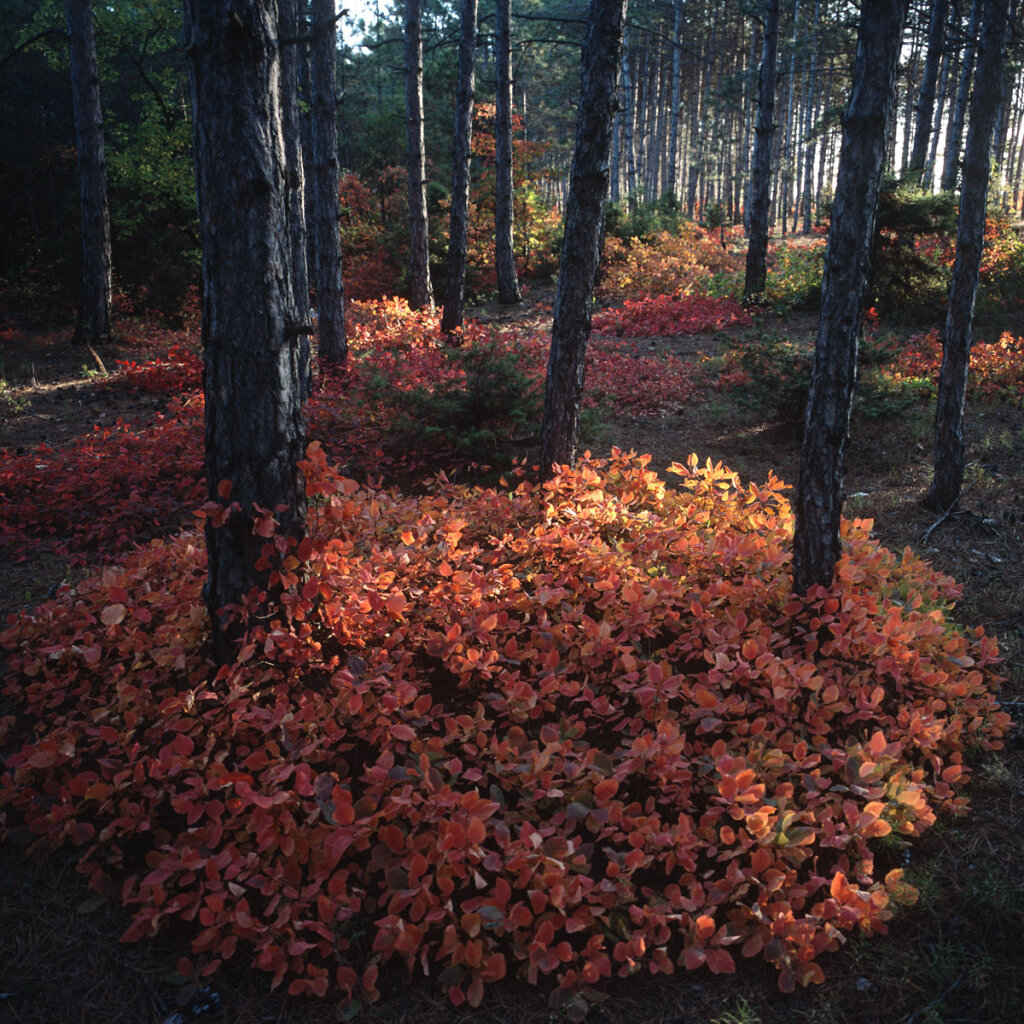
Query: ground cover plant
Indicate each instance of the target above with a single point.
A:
(565, 732)
(388, 654)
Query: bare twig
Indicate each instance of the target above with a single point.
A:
(948, 513)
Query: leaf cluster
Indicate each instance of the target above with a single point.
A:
(566, 732)
(663, 314)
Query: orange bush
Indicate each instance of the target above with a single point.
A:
(996, 368)
(674, 265)
(563, 731)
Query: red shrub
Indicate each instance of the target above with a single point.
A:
(570, 730)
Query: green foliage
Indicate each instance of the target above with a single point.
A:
(794, 275)
(909, 279)
(630, 218)
(776, 378)
(487, 401)
(143, 85)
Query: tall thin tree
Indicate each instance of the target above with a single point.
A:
(94, 317)
(929, 84)
(462, 144)
(330, 286)
(504, 254)
(954, 133)
(421, 289)
(819, 499)
(584, 218)
(295, 172)
(950, 452)
(761, 164)
(254, 354)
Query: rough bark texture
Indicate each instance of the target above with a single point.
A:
(951, 161)
(819, 497)
(929, 83)
(422, 296)
(504, 256)
(761, 165)
(948, 479)
(458, 231)
(295, 174)
(94, 317)
(330, 288)
(584, 217)
(253, 376)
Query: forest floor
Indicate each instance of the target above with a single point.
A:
(956, 957)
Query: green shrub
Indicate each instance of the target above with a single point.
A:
(485, 403)
(778, 379)
(908, 278)
(794, 276)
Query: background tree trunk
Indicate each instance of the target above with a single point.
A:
(819, 499)
(929, 82)
(458, 232)
(504, 257)
(761, 164)
(295, 172)
(584, 217)
(94, 317)
(422, 290)
(951, 161)
(970, 238)
(330, 287)
(253, 377)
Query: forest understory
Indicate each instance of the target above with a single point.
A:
(952, 957)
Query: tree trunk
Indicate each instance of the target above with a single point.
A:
(584, 217)
(422, 290)
(970, 236)
(761, 164)
(929, 83)
(816, 545)
(951, 162)
(812, 108)
(674, 181)
(254, 359)
(94, 317)
(504, 256)
(629, 126)
(458, 231)
(330, 287)
(295, 174)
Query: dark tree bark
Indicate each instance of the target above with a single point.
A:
(330, 288)
(458, 229)
(951, 161)
(948, 478)
(254, 360)
(295, 174)
(819, 501)
(504, 256)
(422, 291)
(761, 164)
(929, 83)
(584, 218)
(94, 317)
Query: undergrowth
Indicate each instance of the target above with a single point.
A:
(564, 732)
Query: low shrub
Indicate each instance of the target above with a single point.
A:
(794, 275)
(564, 731)
(772, 373)
(663, 314)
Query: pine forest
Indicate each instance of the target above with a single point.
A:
(512, 510)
